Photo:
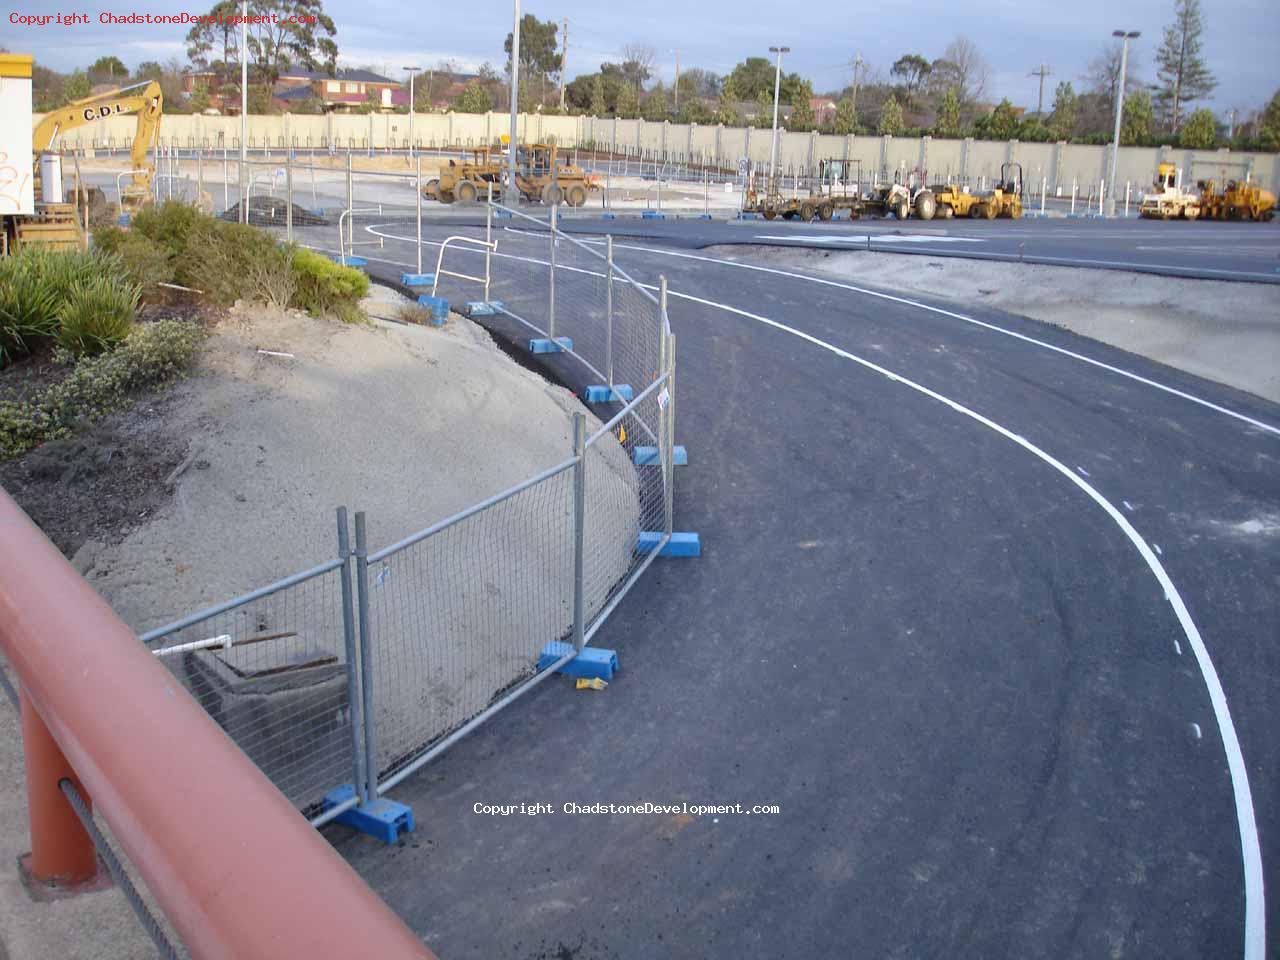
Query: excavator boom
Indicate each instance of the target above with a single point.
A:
(144, 99)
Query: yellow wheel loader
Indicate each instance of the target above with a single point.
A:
(1236, 200)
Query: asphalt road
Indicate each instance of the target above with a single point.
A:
(994, 627)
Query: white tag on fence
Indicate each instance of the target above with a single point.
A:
(663, 399)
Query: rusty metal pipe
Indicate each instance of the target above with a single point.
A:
(236, 869)
(61, 851)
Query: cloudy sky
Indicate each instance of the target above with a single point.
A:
(1241, 40)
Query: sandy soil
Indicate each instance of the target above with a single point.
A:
(1224, 331)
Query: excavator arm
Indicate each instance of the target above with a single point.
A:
(144, 99)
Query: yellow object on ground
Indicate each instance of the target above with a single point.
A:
(595, 683)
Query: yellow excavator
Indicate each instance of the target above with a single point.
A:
(57, 224)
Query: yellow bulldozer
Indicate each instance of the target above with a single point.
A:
(1236, 200)
(56, 222)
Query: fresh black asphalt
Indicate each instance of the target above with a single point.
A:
(946, 665)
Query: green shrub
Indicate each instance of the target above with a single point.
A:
(328, 288)
(154, 354)
(28, 310)
(97, 315)
(219, 259)
(169, 224)
(108, 238)
(146, 263)
(61, 271)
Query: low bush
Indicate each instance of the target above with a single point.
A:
(219, 259)
(152, 355)
(325, 288)
(169, 224)
(147, 264)
(28, 310)
(97, 314)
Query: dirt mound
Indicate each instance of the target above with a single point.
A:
(273, 212)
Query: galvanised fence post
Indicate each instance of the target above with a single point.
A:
(354, 698)
(551, 283)
(579, 531)
(370, 785)
(608, 313)
(670, 465)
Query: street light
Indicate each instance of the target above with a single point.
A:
(777, 87)
(412, 71)
(512, 195)
(1125, 36)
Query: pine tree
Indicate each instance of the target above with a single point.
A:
(1182, 72)
(764, 110)
(1062, 121)
(1003, 122)
(890, 117)
(1269, 124)
(846, 121)
(473, 99)
(948, 115)
(655, 105)
(801, 107)
(1200, 132)
(726, 112)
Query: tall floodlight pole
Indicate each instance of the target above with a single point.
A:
(412, 71)
(244, 101)
(564, 60)
(777, 89)
(1125, 36)
(512, 195)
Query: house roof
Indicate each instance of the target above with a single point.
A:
(297, 73)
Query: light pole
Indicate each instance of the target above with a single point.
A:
(512, 196)
(777, 88)
(412, 71)
(1125, 36)
(244, 101)
(676, 108)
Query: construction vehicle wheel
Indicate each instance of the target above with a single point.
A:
(977, 210)
(789, 215)
(467, 192)
(577, 195)
(855, 214)
(826, 211)
(444, 196)
(1191, 213)
(807, 212)
(926, 205)
(770, 214)
(1164, 214)
(990, 211)
(901, 209)
(552, 193)
(946, 212)
(430, 187)
(1015, 213)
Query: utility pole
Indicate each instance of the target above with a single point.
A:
(677, 103)
(564, 60)
(512, 196)
(1231, 129)
(1042, 72)
(1125, 36)
(412, 71)
(857, 65)
(777, 87)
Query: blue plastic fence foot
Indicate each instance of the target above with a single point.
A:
(681, 544)
(703, 216)
(602, 393)
(502, 214)
(382, 818)
(648, 456)
(608, 216)
(483, 308)
(438, 306)
(350, 261)
(558, 345)
(592, 662)
(652, 215)
(417, 279)
(123, 220)
(748, 216)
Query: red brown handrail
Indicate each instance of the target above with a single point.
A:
(239, 873)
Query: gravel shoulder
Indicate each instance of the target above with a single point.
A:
(1223, 331)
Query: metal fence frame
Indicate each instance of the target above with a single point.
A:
(651, 411)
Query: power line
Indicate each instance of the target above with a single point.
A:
(1042, 72)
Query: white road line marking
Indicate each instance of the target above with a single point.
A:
(1178, 647)
(1157, 546)
(1255, 933)
(1127, 505)
(1195, 730)
(1083, 471)
(862, 238)
(960, 316)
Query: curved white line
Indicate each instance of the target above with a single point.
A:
(1251, 851)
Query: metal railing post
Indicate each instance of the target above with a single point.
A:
(354, 697)
(579, 532)
(288, 194)
(417, 189)
(608, 313)
(670, 463)
(370, 785)
(350, 203)
(488, 239)
(551, 286)
(662, 325)
(200, 178)
(226, 182)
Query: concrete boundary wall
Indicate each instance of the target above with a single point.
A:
(1057, 165)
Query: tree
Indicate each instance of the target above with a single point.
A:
(802, 107)
(290, 33)
(1062, 121)
(890, 117)
(1180, 68)
(1269, 124)
(628, 104)
(75, 87)
(539, 55)
(1200, 131)
(968, 69)
(149, 70)
(755, 75)
(912, 69)
(216, 41)
(109, 68)
(764, 110)
(260, 99)
(474, 98)
(598, 106)
(948, 116)
(637, 64)
(655, 106)
(846, 122)
(1002, 124)
(700, 84)
(1137, 119)
(726, 109)
(693, 110)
